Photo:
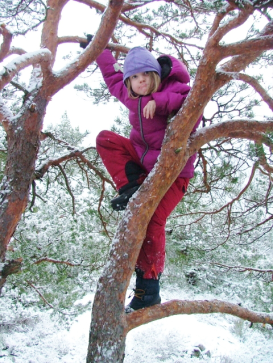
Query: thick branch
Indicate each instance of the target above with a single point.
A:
(11, 69)
(234, 128)
(108, 23)
(250, 46)
(49, 37)
(176, 307)
(235, 22)
(5, 46)
(240, 62)
(218, 18)
(231, 76)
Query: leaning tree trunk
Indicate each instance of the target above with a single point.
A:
(23, 145)
(109, 323)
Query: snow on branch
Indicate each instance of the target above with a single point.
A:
(176, 307)
(231, 128)
(41, 56)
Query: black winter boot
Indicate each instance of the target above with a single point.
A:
(120, 202)
(146, 294)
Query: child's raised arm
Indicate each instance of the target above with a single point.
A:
(112, 75)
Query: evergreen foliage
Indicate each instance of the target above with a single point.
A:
(219, 237)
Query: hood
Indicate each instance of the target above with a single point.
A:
(139, 60)
(172, 67)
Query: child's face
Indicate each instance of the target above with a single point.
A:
(141, 83)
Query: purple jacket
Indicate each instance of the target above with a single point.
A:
(146, 134)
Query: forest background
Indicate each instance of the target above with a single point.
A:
(57, 242)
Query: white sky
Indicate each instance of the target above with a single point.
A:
(79, 19)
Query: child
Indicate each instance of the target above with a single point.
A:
(153, 90)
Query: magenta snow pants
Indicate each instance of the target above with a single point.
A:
(117, 152)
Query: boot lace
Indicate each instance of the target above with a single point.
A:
(139, 293)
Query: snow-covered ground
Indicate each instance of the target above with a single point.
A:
(216, 338)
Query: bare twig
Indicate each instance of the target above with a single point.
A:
(40, 294)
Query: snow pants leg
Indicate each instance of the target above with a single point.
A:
(151, 258)
(121, 160)
(123, 164)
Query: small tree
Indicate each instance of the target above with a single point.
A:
(179, 27)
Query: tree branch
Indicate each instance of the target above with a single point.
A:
(249, 46)
(108, 23)
(244, 129)
(68, 188)
(74, 154)
(91, 166)
(58, 262)
(218, 18)
(67, 263)
(258, 88)
(11, 69)
(18, 51)
(235, 22)
(99, 209)
(140, 26)
(176, 307)
(5, 46)
(242, 268)
(40, 294)
(49, 37)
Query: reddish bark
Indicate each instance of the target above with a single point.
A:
(109, 323)
(114, 282)
(176, 307)
(24, 132)
(6, 43)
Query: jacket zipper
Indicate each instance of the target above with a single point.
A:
(141, 131)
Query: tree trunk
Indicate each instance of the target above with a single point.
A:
(23, 145)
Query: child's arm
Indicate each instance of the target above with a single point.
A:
(168, 102)
(112, 76)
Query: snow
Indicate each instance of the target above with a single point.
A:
(217, 338)
(24, 60)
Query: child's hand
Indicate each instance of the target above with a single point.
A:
(149, 109)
